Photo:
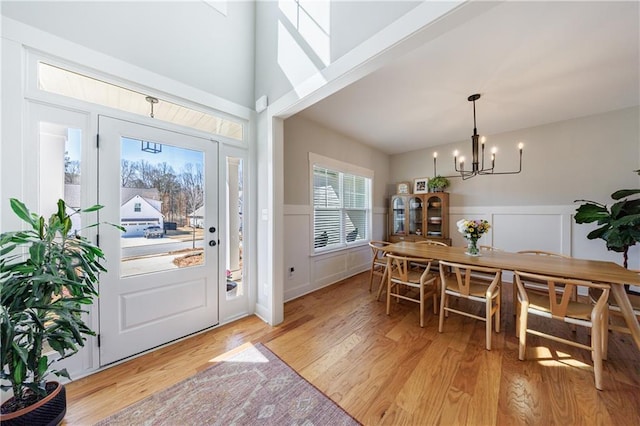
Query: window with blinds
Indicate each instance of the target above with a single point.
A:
(341, 208)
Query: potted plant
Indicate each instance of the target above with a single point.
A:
(47, 274)
(438, 183)
(619, 226)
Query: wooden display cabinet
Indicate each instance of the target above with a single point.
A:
(416, 217)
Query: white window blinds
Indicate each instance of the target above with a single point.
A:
(341, 207)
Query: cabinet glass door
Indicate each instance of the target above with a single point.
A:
(434, 216)
(398, 211)
(415, 215)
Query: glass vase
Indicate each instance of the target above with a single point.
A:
(472, 248)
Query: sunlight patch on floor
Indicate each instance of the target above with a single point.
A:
(250, 355)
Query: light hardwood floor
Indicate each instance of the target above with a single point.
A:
(387, 370)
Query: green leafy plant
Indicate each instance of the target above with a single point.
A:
(47, 274)
(438, 183)
(619, 226)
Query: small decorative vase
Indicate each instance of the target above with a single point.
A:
(472, 248)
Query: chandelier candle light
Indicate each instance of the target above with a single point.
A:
(472, 230)
(477, 163)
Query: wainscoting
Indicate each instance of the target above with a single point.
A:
(513, 228)
(312, 272)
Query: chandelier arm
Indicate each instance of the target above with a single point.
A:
(514, 172)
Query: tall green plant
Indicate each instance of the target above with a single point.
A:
(619, 226)
(47, 273)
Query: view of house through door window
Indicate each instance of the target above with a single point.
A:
(235, 285)
(161, 210)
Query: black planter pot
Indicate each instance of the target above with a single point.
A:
(47, 412)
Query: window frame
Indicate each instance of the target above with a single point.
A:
(343, 168)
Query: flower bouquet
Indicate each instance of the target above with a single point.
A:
(472, 230)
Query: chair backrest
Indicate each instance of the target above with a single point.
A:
(375, 248)
(464, 274)
(560, 291)
(432, 243)
(402, 266)
(489, 248)
(543, 253)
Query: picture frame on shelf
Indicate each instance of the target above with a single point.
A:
(403, 188)
(420, 185)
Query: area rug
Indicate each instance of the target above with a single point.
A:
(249, 387)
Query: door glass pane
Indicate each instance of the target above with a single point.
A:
(162, 207)
(235, 199)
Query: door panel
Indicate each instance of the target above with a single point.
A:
(162, 279)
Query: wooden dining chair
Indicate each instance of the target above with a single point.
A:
(614, 319)
(433, 243)
(403, 280)
(460, 280)
(557, 304)
(434, 264)
(537, 285)
(378, 265)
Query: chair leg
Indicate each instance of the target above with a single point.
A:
(443, 302)
(605, 332)
(388, 295)
(382, 284)
(497, 313)
(596, 347)
(488, 319)
(421, 305)
(517, 320)
(371, 278)
(514, 294)
(522, 345)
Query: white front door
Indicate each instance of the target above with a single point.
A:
(162, 279)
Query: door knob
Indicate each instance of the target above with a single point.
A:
(212, 229)
(212, 243)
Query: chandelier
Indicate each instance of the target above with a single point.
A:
(477, 160)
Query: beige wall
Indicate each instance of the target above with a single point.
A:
(302, 136)
(583, 158)
(312, 272)
(588, 158)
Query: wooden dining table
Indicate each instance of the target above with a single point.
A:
(583, 269)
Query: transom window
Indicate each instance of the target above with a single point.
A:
(341, 204)
(63, 82)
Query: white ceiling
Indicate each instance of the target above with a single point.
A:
(532, 62)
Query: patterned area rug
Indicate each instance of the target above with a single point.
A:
(247, 387)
